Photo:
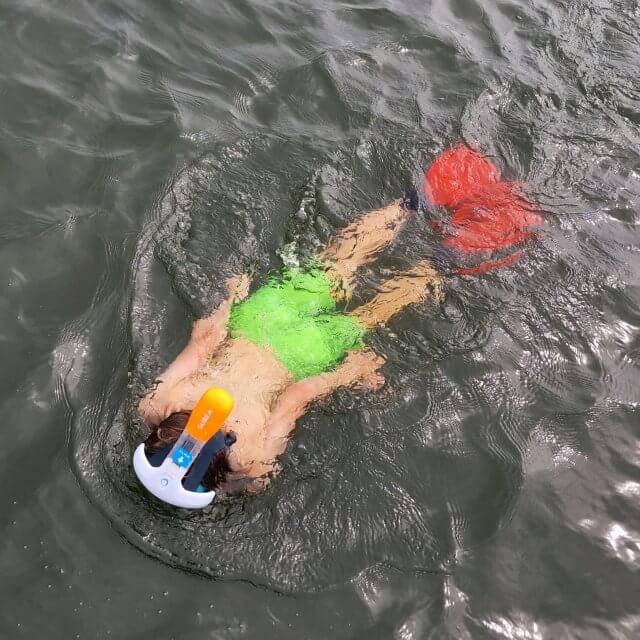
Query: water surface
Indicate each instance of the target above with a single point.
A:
(150, 149)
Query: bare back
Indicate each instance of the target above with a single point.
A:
(255, 379)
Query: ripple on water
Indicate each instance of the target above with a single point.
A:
(504, 444)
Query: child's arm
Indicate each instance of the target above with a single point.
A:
(361, 369)
(206, 336)
(208, 333)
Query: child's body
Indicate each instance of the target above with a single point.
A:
(287, 346)
(269, 396)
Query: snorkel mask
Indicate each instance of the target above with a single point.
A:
(173, 474)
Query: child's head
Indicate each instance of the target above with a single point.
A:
(169, 430)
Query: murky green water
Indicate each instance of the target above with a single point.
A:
(149, 149)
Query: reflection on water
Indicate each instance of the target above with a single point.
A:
(150, 150)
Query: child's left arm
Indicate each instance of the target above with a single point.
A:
(360, 369)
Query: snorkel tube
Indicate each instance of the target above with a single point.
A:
(173, 475)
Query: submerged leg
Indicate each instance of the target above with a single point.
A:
(358, 243)
(400, 291)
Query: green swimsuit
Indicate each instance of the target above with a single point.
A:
(295, 316)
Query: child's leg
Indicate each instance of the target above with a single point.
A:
(398, 292)
(358, 244)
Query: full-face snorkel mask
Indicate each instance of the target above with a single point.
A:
(174, 473)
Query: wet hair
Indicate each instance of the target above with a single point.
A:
(169, 430)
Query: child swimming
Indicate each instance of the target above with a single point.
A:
(286, 346)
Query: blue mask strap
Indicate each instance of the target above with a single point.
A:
(198, 469)
(156, 458)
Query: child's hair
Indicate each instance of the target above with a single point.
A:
(169, 430)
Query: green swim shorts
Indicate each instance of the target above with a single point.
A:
(295, 316)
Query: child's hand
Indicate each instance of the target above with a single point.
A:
(238, 287)
(362, 369)
(157, 404)
(150, 409)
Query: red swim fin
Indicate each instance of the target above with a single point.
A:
(493, 218)
(489, 265)
(457, 174)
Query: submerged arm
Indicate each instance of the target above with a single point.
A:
(360, 370)
(208, 333)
